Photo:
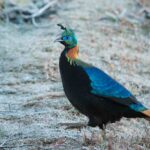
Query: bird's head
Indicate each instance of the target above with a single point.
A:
(67, 37)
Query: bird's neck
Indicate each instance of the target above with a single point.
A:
(72, 53)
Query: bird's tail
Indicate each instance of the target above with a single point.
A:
(147, 114)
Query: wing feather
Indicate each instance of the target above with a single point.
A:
(104, 86)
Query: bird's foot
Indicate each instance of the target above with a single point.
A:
(92, 139)
(74, 125)
(103, 134)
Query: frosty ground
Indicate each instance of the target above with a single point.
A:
(32, 102)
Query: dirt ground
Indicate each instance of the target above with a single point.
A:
(33, 106)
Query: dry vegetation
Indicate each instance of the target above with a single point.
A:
(113, 35)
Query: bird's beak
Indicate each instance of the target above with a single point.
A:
(59, 39)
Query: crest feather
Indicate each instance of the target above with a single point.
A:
(61, 26)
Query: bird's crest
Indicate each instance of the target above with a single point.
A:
(61, 26)
(67, 31)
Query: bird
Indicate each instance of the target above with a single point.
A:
(91, 91)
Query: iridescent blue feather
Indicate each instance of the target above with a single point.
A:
(104, 85)
(138, 107)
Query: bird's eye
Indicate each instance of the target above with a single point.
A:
(66, 38)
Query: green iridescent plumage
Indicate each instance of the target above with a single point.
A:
(68, 37)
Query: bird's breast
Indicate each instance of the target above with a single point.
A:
(74, 79)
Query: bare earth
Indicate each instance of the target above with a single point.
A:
(32, 103)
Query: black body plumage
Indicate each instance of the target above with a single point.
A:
(99, 109)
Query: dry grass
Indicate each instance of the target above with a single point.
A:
(34, 111)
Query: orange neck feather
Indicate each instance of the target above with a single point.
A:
(73, 53)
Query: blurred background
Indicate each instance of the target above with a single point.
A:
(113, 35)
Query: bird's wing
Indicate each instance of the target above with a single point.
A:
(104, 86)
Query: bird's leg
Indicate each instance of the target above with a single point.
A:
(78, 125)
(87, 138)
(92, 138)
(103, 132)
(92, 122)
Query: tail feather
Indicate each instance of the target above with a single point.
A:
(146, 113)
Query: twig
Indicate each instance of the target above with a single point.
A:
(16, 8)
(43, 9)
(40, 11)
(4, 143)
(24, 145)
(9, 139)
(78, 125)
(34, 22)
(50, 95)
(37, 25)
(41, 97)
(26, 13)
